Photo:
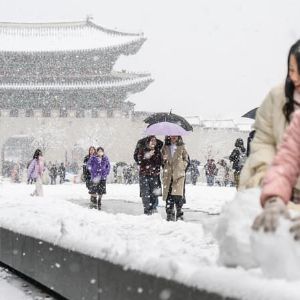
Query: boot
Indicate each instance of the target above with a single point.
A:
(99, 202)
(179, 215)
(93, 199)
(170, 215)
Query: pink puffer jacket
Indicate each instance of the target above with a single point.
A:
(285, 169)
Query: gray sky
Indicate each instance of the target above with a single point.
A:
(211, 58)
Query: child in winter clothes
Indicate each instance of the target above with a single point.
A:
(99, 167)
(280, 179)
(35, 172)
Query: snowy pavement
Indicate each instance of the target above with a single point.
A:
(183, 251)
(14, 288)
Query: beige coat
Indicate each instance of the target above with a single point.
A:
(270, 125)
(174, 167)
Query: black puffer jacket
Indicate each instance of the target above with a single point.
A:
(85, 172)
(236, 157)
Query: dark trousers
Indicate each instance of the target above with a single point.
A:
(150, 189)
(53, 180)
(171, 201)
(210, 180)
(236, 175)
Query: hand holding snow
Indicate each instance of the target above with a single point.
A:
(268, 219)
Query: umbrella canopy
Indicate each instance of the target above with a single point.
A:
(165, 128)
(169, 117)
(250, 114)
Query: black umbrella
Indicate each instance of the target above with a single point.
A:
(250, 114)
(169, 117)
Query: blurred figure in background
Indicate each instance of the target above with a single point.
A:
(238, 158)
(35, 171)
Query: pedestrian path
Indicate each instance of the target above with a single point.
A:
(115, 206)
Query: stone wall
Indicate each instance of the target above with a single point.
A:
(61, 137)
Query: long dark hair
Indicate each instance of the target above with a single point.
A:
(91, 147)
(37, 153)
(289, 87)
(178, 143)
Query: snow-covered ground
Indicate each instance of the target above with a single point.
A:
(15, 288)
(183, 251)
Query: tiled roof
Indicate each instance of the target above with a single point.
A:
(77, 85)
(68, 36)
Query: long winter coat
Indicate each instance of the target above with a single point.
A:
(270, 125)
(174, 167)
(98, 167)
(36, 168)
(285, 169)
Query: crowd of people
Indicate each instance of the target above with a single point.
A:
(212, 173)
(54, 172)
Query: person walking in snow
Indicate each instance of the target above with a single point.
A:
(175, 163)
(210, 172)
(194, 173)
(35, 172)
(86, 175)
(53, 173)
(272, 118)
(99, 168)
(149, 159)
(237, 157)
(62, 173)
(222, 176)
(120, 173)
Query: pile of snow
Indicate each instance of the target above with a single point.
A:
(137, 242)
(234, 229)
(276, 253)
(180, 251)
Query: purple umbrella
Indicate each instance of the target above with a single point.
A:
(165, 128)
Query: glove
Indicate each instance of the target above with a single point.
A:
(295, 229)
(269, 218)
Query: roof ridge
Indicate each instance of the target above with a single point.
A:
(111, 31)
(43, 24)
(85, 23)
